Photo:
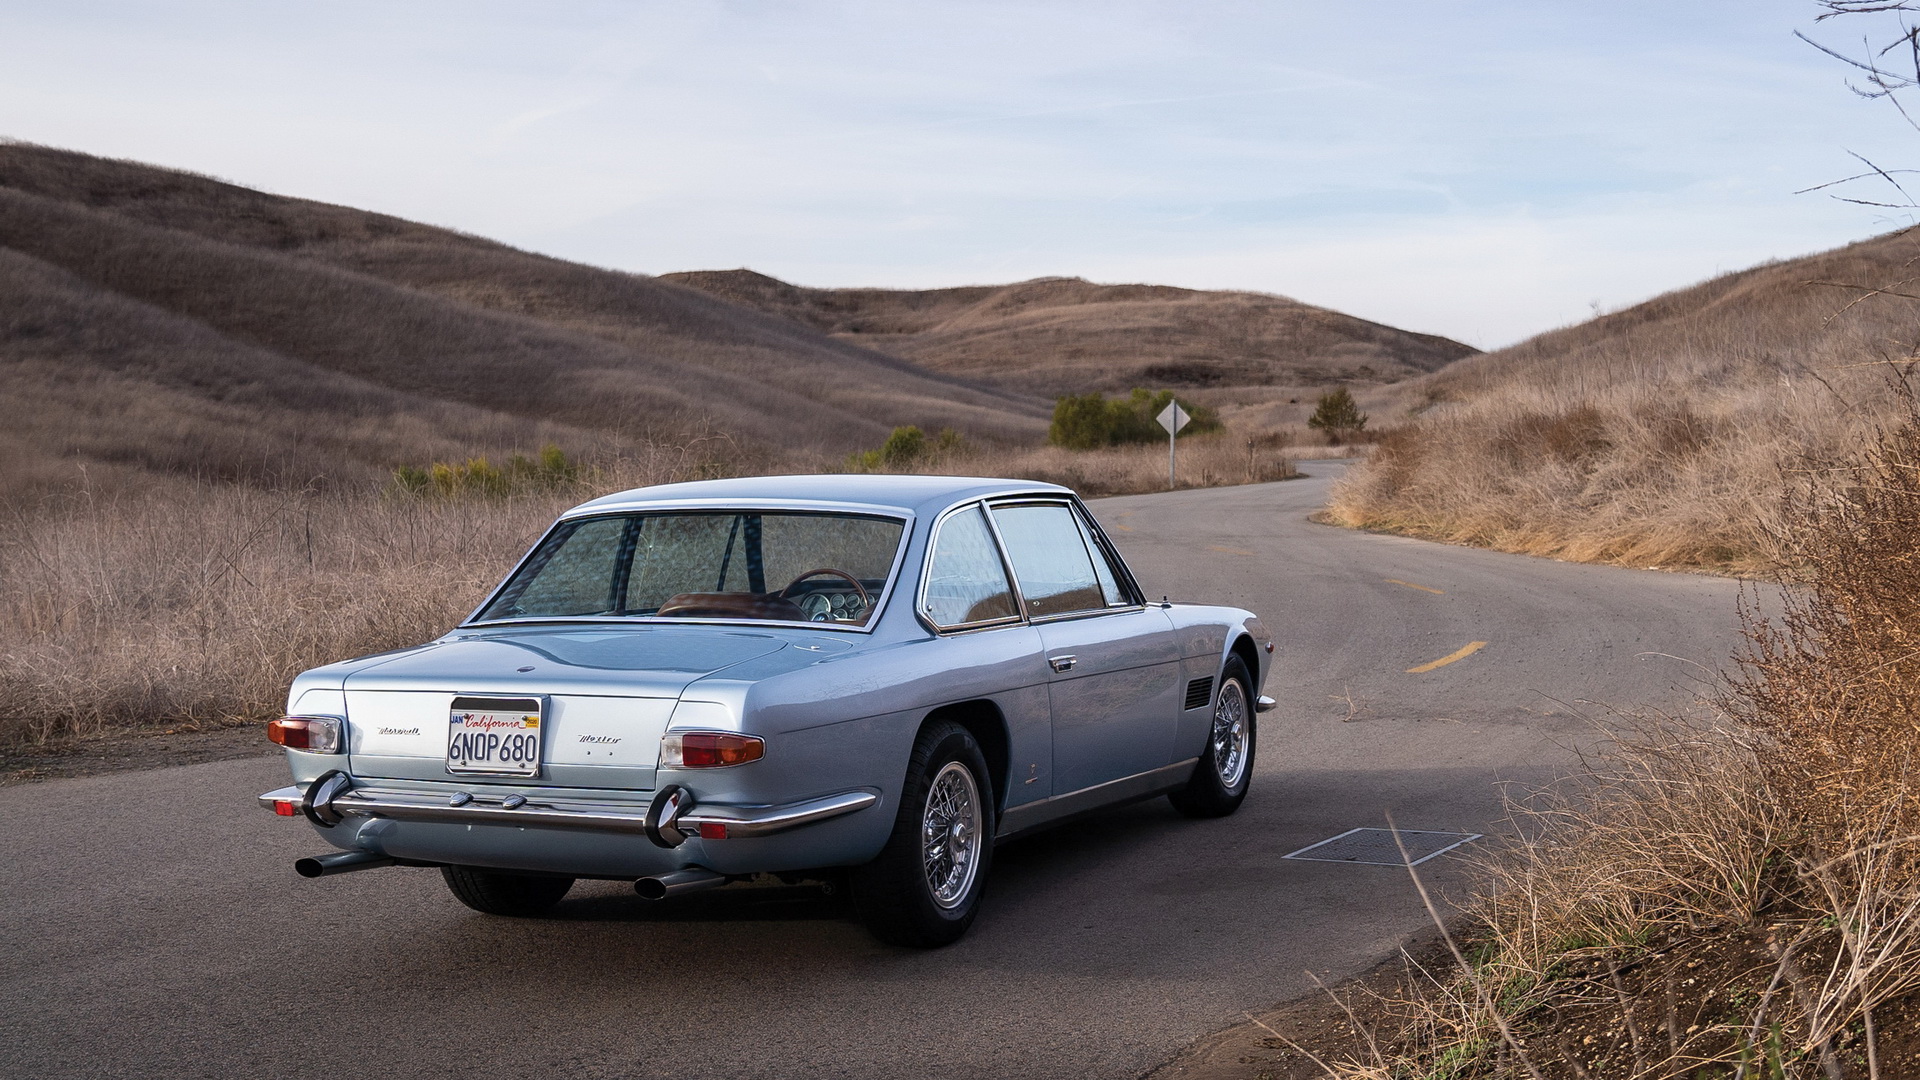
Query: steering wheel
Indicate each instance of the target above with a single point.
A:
(865, 600)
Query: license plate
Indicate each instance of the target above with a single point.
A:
(494, 736)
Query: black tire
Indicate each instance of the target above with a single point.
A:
(1221, 777)
(496, 892)
(895, 893)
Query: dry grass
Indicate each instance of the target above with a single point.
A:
(1203, 461)
(1658, 435)
(1737, 899)
(194, 603)
(1057, 336)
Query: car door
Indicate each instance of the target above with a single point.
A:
(967, 597)
(1115, 667)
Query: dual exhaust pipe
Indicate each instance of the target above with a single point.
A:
(662, 827)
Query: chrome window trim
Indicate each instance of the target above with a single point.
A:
(1006, 567)
(1114, 559)
(1006, 560)
(904, 517)
(1070, 502)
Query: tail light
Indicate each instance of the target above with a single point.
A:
(709, 749)
(314, 734)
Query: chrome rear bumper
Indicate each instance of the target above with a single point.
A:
(712, 821)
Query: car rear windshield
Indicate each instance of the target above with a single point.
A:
(787, 567)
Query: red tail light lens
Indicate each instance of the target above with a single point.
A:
(314, 734)
(709, 749)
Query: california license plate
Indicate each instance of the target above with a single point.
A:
(494, 736)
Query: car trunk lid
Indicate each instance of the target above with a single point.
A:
(607, 694)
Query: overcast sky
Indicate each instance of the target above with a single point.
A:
(1480, 170)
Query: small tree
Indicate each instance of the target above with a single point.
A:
(1338, 417)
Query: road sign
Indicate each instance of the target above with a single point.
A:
(1173, 418)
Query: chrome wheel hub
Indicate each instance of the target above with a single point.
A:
(950, 835)
(1231, 734)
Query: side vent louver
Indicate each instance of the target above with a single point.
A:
(1199, 692)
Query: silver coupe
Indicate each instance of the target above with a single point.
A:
(868, 679)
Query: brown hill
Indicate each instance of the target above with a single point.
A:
(1065, 335)
(155, 319)
(1663, 433)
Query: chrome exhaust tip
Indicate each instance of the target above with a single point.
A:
(692, 879)
(341, 862)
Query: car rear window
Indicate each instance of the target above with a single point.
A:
(780, 566)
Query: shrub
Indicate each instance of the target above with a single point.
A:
(1091, 421)
(550, 471)
(1338, 417)
(906, 447)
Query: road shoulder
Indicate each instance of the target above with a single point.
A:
(1282, 1043)
(130, 751)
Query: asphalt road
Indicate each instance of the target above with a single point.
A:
(151, 923)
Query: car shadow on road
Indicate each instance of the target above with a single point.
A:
(747, 901)
(1044, 860)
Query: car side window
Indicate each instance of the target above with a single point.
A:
(1050, 560)
(1103, 569)
(966, 582)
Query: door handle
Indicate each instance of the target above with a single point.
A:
(1061, 663)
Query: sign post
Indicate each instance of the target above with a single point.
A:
(1173, 418)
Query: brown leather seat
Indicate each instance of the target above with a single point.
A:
(732, 605)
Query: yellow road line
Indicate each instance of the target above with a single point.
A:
(1462, 654)
(1411, 585)
(1124, 528)
(1228, 550)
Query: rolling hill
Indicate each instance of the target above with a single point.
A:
(1056, 336)
(1664, 433)
(152, 319)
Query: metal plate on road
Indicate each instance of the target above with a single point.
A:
(1376, 847)
(494, 736)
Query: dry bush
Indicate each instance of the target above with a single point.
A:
(1782, 841)
(1660, 475)
(1830, 685)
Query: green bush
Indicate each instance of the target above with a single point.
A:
(552, 468)
(905, 447)
(1091, 421)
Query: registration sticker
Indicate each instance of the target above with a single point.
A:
(494, 736)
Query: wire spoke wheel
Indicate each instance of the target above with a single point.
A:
(1230, 734)
(923, 889)
(950, 835)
